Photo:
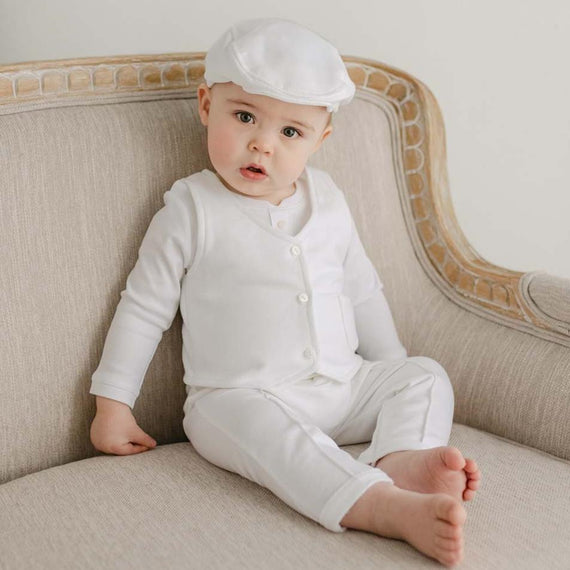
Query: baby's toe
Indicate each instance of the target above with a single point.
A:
(450, 558)
(468, 495)
(449, 543)
(445, 530)
(450, 510)
(471, 469)
(471, 484)
(452, 458)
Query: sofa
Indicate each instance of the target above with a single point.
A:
(88, 148)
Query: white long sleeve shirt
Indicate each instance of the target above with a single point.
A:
(152, 296)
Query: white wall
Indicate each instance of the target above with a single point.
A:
(498, 69)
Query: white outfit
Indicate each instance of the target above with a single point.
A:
(276, 307)
(272, 316)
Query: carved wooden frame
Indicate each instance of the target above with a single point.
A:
(461, 272)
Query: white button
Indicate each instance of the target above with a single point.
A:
(281, 224)
(295, 250)
(303, 297)
(308, 353)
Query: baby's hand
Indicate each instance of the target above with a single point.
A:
(114, 429)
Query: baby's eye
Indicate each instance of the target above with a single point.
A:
(241, 114)
(291, 130)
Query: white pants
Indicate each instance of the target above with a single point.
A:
(287, 438)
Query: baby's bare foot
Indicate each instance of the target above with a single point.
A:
(436, 470)
(432, 523)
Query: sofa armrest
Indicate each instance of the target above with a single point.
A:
(548, 297)
(494, 292)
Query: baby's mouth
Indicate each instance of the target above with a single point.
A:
(253, 173)
(255, 168)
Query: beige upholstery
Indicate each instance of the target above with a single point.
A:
(88, 148)
(172, 509)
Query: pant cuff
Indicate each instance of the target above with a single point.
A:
(341, 502)
(370, 456)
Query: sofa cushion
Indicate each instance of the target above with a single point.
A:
(171, 508)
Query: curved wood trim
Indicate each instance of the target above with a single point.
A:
(495, 289)
(58, 79)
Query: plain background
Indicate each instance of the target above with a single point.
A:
(499, 70)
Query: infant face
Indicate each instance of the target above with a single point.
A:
(246, 129)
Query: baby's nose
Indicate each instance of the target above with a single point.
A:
(261, 145)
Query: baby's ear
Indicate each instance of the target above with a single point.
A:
(327, 132)
(324, 135)
(204, 102)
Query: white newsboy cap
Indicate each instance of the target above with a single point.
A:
(281, 59)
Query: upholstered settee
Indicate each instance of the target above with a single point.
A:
(88, 147)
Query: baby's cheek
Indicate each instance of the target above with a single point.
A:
(221, 143)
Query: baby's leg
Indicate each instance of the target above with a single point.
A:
(406, 408)
(260, 437)
(257, 435)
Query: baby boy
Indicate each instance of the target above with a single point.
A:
(289, 346)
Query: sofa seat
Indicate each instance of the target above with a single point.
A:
(170, 508)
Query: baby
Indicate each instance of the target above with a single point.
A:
(289, 346)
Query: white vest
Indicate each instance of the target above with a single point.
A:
(259, 306)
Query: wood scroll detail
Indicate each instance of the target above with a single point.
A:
(99, 76)
(422, 136)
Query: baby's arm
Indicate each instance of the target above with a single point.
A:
(147, 308)
(377, 335)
